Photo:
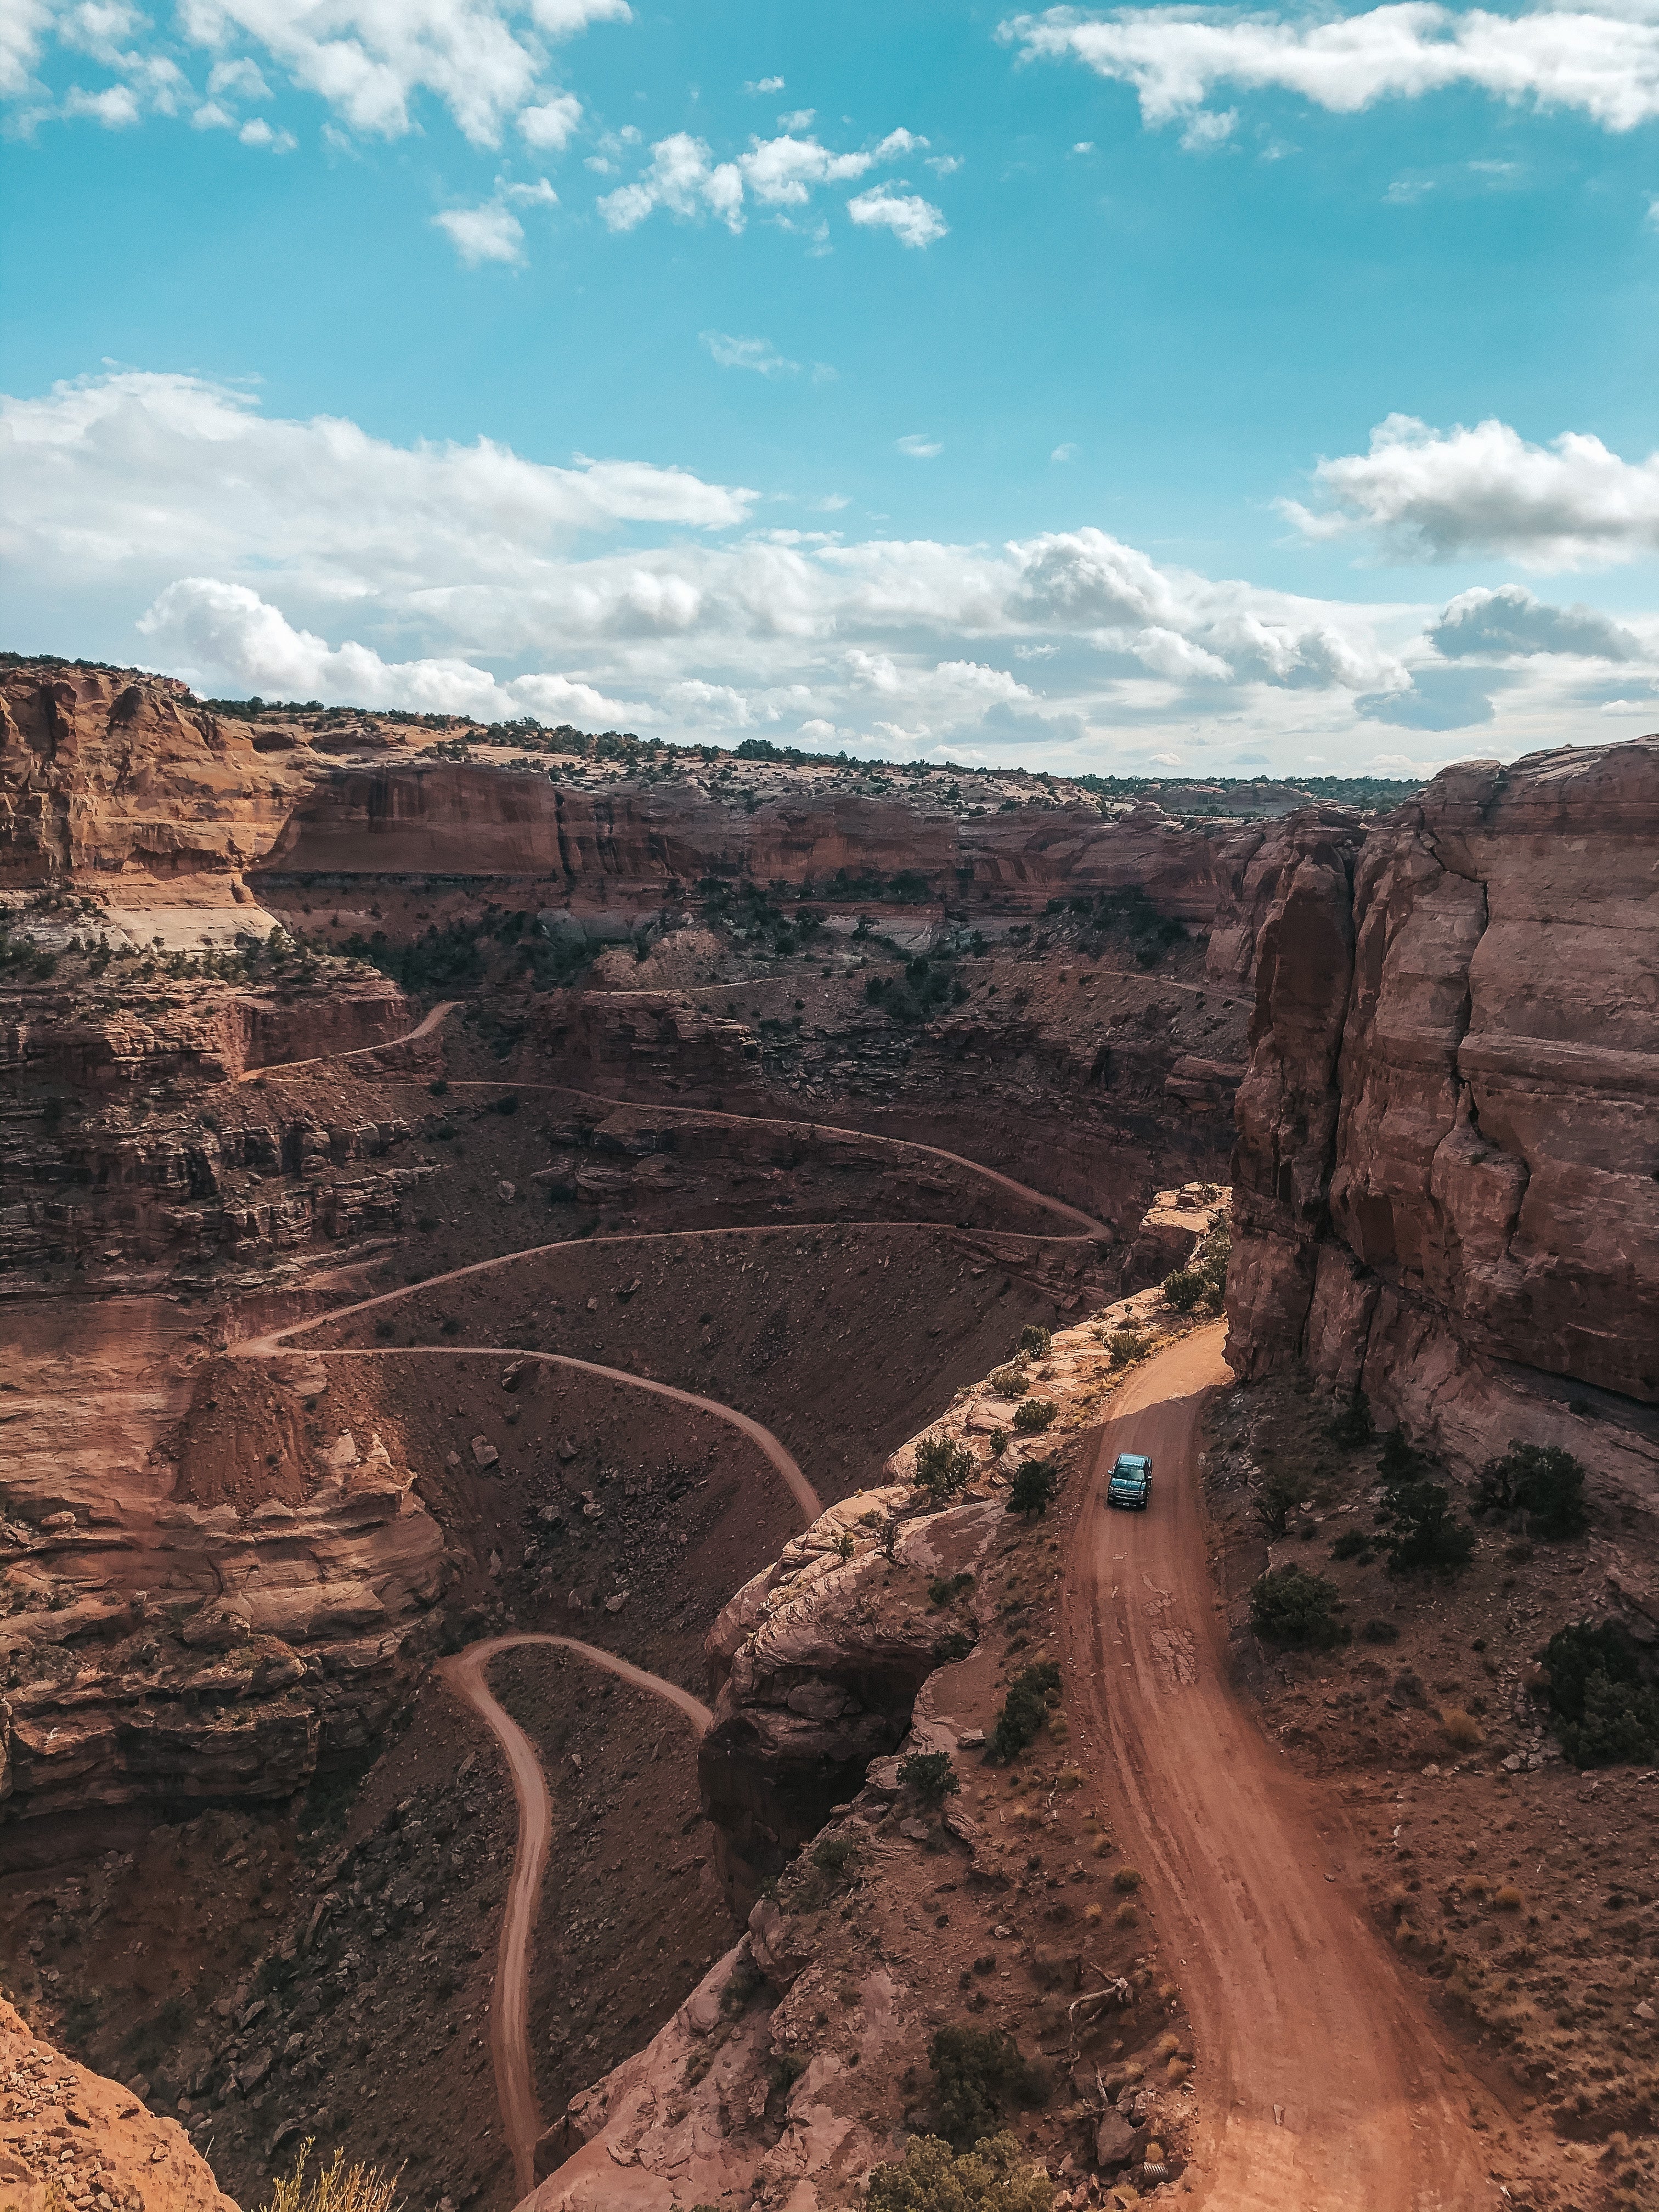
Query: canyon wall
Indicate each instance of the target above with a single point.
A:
(1447, 1170)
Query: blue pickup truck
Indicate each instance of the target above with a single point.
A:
(1130, 1484)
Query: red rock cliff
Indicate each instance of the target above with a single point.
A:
(1447, 1173)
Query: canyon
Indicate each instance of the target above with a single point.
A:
(538, 1272)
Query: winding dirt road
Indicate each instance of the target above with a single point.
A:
(509, 2009)
(1328, 2088)
(424, 1027)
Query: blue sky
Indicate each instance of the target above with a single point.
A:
(1078, 388)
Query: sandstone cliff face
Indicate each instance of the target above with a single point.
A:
(1445, 1172)
(107, 778)
(70, 2136)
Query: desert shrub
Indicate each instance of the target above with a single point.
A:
(932, 2177)
(1352, 1544)
(1126, 1917)
(1023, 1709)
(1288, 1605)
(1035, 1341)
(1420, 1527)
(977, 2073)
(955, 1643)
(1541, 1481)
(943, 1467)
(1127, 1879)
(1032, 1490)
(1035, 1415)
(1461, 1730)
(1275, 1501)
(334, 2188)
(930, 1774)
(1125, 1344)
(1509, 1899)
(1010, 1380)
(835, 1852)
(1379, 1632)
(1183, 1289)
(1602, 1694)
(942, 1589)
(1350, 1426)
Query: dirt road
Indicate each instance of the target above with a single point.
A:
(1326, 2086)
(424, 1027)
(276, 1342)
(509, 2006)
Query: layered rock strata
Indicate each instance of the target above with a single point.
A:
(1447, 1184)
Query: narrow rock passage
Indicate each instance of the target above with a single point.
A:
(1327, 2085)
(509, 2009)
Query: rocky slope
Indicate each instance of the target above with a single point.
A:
(68, 2136)
(1447, 1188)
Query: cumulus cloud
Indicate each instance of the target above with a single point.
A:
(305, 558)
(684, 179)
(233, 637)
(917, 447)
(116, 107)
(1432, 494)
(757, 354)
(483, 60)
(1600, 63)
(1510, 623)
(489, 232)
(912, 220)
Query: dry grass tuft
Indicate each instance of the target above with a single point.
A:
(1509, 1899)
(1461, 1730)
(1126, 1917)
(334, 2188)
(1127, 1879)
(1092, 1914)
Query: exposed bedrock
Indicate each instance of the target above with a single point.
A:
(1447, 1173)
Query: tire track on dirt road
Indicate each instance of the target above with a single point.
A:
(509, 2009)
(1328, 2087)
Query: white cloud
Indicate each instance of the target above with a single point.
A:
(1602, 63)
(686, 180)
(234, 637)
(918, 447)
(258, 132)
(765, 84)
(210, 116)
(1207, 130)
(550, 125)
(368, 62)
(758, 354)
(1510, 623)
(115, 108)
(1066, 453)
(944, 165)
(489, 232)
(304, 557)
(1432, 494)
(912, 220)
(1405, 191)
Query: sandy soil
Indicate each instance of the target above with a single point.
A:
(1327, 2085)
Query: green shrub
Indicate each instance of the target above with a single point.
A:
(1024, 1710)
(943, 1589)
(955, 1643)
(1275, 1501)
(930, 1774)
(1379, 1632)
(1541, 1481)
(1035, 1415)
(1184, 1288)
(1032, 1490)
(978, 2072)
(1351, 1425)
(1035, 1341)
(943, 1467)
(1420, 1527)
(1352, 1544)
(1125, 1344)
(1288, 1605)
(1602, 1695)
(835, 1852)
(1010, 1380)
(932, 2177)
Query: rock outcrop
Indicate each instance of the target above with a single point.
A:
(1446, 1183)
(69, 2137)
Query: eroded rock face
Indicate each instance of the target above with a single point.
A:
(1445, 1168)
(67, 2132)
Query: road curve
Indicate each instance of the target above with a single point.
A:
(1328, 2088)
(424, 1027)
(268, 1346)
(509, 2010)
